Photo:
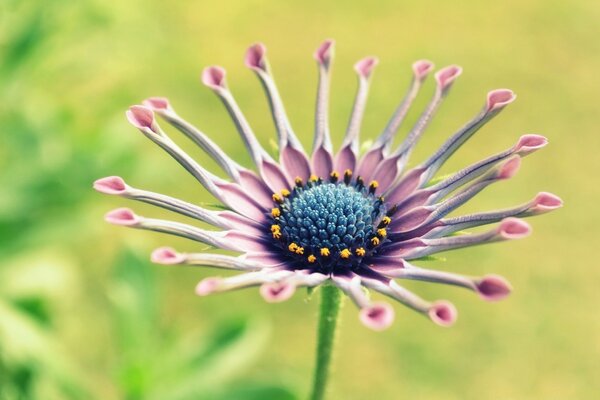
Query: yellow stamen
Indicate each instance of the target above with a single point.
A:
(275, 228)
(385, 221)
(311, 259)
(360, 252)
(345, 253)
(277, 235)
(334, 175)
(285, 192)
(313, 178)
(298, 181)
(325, 252)
(275, 212)
(300, 250)
(382, 232)
(277, 198)
(348, 172)
(293, 247)
(374, 184)
(375, 241)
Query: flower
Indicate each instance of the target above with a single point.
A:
(356, 222)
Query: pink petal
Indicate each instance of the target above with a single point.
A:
(422, 68)
(166, 256)
(157, 103)
(499, 98)
(264, 257)
(514, 228)
(244, 242)
(122, 216)
(386, 173)
(322, 162)
(207, 286)
(325, 52)
(214, 77)
(253, 184)
(365, 66)
(239, 222)
(346, 159)
(510, 168)
(235, 198)
(446, 76)
(368, 164)
(406, 186)
(273, 176)
(378, 316)
(277, 292)
(443, 313)
(110, 185)
(530, 143)
(141, 117)
(294, 163)
(255, 57)
(547, 201)
(411, 220)
(493, 287)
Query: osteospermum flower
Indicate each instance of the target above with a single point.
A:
(358, 222)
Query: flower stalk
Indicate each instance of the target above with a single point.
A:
(331, 303)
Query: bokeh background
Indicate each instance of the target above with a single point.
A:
(85, 315)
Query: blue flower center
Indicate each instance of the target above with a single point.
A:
(327, 223)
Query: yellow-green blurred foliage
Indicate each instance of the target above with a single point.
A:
(84, 314)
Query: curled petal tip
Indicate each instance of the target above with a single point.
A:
(378, 316)
(547, 201)
(530, 143)
(122, 216)
(277, 292)
(365, 67)
(446, 76)
(499, 98)
(493, 288)
(255, 57)
(166, 256)
(157, 103)
(110, 185)
(214, 77)
(509, 168)
(141, 117)
(207, 286)
(514, 228)
(443, 313)
(422, 68)
(324, 53)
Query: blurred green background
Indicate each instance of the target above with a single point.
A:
(85, 315)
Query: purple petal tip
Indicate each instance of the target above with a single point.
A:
(324, 53)
(207, 286)
(122, 216)
(277, 292)
(157, 103)
(446, 76)
(443, 313)
(214, 77)
(110, 185)
(378, 316)
(493, 288)
(422, 68)
(141, 117)
(499, 98)
(365, 66)
(166, 256)
(255, 56)
(514, 228)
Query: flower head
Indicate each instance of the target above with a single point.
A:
(358, 222)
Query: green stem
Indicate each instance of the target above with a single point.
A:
(331, 301)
